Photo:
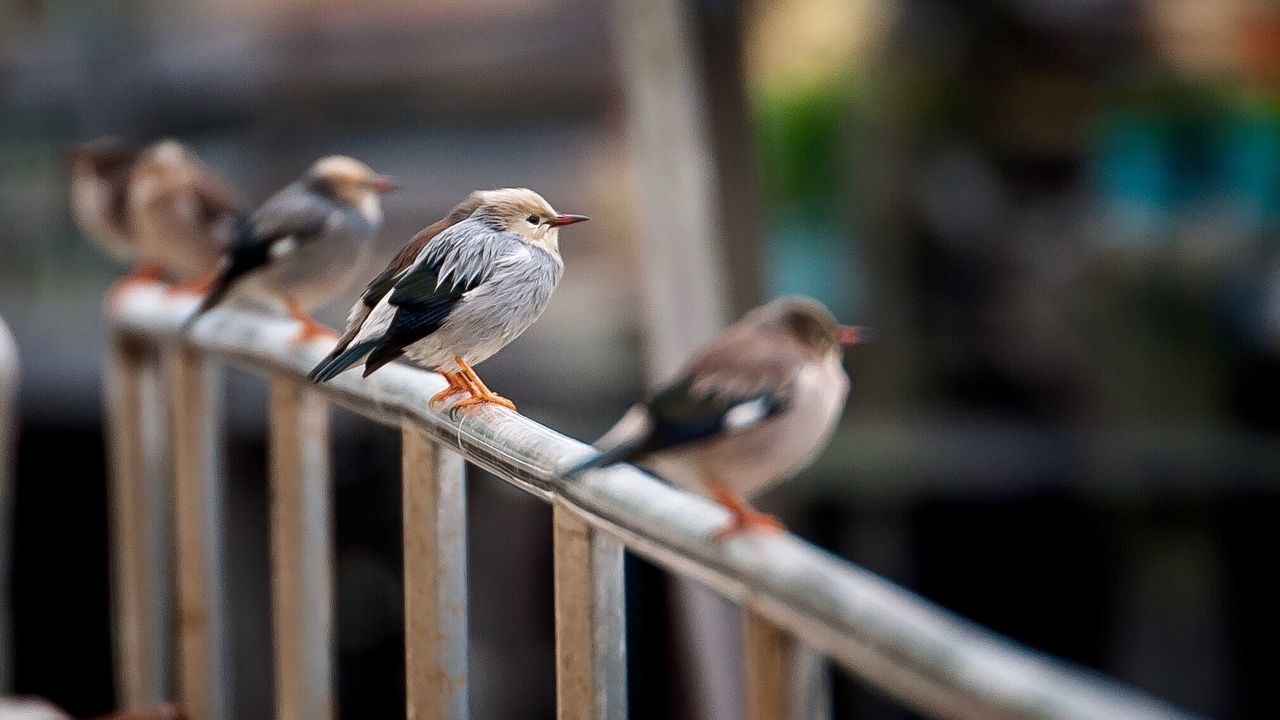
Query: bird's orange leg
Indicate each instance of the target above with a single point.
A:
(310, 329)
(480, 393)
(742, 517)
(456, 383)
(142, 274)
(198, 285)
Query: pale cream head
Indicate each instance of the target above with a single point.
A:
(165, 160)
(353, 182)
(523, 212)
(808, 323)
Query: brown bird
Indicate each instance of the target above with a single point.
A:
(751, 407)
(181, 213)
(101, 173)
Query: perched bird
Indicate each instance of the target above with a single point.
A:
(458, 292)
(101, 172)
(750, 408)
(305, 244)
(181, 213)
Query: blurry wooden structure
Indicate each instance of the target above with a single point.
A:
(793, 595)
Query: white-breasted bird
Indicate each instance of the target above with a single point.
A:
(753, 406)
(181, 213)
(306, 243)
(101, 171)
(458, 292)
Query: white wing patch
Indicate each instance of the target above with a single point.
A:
(746, 414)
(282, 247)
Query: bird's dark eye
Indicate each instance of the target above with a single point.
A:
(533, 220)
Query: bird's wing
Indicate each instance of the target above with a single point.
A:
(292, 216)
(385, 280)
(287, 220)
(736, 382)
(450, 265)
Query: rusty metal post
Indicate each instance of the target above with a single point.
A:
(591, 673)
(203, 671)
(140, 561)
(301, 552)
(435, 578)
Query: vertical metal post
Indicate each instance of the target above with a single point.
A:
(138, 562)
(435, 578)
(301, 552)
(591, 672)
(203, 673)
(768, 663)
(783, 678)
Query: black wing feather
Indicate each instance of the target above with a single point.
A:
(422, 304)
(681, 416)
(292, 213)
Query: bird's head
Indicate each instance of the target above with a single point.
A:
(350, 181)
(165, 158)
(101, 158)
(523, 212)
(808, 323)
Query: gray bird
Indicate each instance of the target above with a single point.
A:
(750, 408)
(101, 171)
(458, 292)
(306, 243)
(182, 215)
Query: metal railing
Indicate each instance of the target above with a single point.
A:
(8, 435)
(796, 598)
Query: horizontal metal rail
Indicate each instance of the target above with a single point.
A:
(793, 594)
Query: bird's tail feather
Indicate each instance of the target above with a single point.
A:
(627, 440)
(216, 294)
(339, 360)
(604, 458)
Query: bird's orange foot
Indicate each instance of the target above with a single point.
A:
(145, 274)
(456, 384)
(742, 517)
(480, 393)
(195, 286)
(753, 521)
(311, 331)
(485, 397)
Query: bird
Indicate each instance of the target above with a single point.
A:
(751, 407)
(101, 172)
(181, 213)
(458, 292)
(305, 244)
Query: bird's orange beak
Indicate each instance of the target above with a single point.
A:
(851, 335)
(566, 219)
(383, 184)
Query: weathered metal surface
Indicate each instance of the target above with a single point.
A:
(203, 672)
(435, 578)
(139, 525)
(301, 552)
(929, 658)
(591, 668)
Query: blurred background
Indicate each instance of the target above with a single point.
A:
(1062, 218)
